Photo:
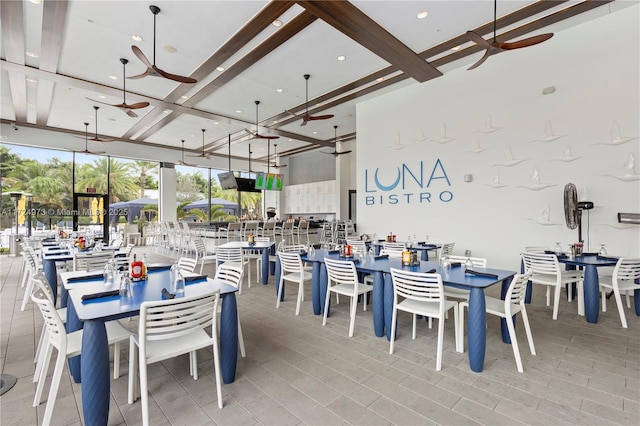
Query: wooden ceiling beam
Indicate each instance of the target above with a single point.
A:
(352, 22)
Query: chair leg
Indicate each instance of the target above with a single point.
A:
(216, 362)
(27, 293)
(440, 343)
(279, 296)
(603, 296)
(556, 302)
(548, 295)
(144, 390)
(415, 321)
(527, 328)
(394, 319)
(514, 342)
(627, 295)
(623, 317)
(133, 372)
(326, 306)
(240, 340)
(581, 298)
(456, 329)
(116, 360)
(300, 293)
(352, 323)
(42, 377)
(53, 391)
(460, 335)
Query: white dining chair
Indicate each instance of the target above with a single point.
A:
(420, 293)
(187, 264)
(506, 309)
(546, 271)
(625, 273)
(342, 278)
(167, 329)
(202, 254)
(234, 255)
(68, 345)
(460, 293)
(292, 269)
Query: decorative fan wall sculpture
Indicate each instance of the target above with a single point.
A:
(306, 116)
(496, 47)
(124, 105)
(152, 69)
(335, 152)
(256, 134)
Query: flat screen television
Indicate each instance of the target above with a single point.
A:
(227, 180)
(269, 181)
(246, 185)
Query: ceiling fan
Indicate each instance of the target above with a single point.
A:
(182, 162)
(495, 47)
(275, 155)
(204, 154)
(127, 108)
(306, 117)
(86, 142)
(335, 152)
(256, 135)
(96, 138)
(152, 69)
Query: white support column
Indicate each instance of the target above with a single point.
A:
(167, 203)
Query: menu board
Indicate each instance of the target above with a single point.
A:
(269, 181)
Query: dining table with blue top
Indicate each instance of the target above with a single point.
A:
(591, 284)
(51, 255)
(382, 297)
(91, 368)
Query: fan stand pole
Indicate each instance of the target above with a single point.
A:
(579, 225)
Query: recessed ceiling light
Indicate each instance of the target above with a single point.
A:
(279, 90)
(277, 23)
(215, 122)
(169, 49)
(238, 111)
(422, 14)
(315, 133)
(102, 96)
(455, 48)
(184, 97)
(31, 80)
(136, 37)
(275, 121)
(32, 54)
(166, 111)
(380, 79)
(290, 140)
(220, 69)
(113, 77)
(192, 136)
(341, 57)
(35, 1)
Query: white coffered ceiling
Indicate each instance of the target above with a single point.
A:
(79, 43)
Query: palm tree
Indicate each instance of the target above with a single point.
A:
(123, 186)
(144, 168)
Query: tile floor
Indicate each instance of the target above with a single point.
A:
(299, 372)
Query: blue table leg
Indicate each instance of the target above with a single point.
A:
(228, 337)
(571, 287)
(591, 293)
(636, 300)
(272, 266)
(323, 289)
(378, 305)
(265, 266)
(529, 292)
(50, 272)
(278, 272)
(476, 328)
(95, 374)
(315, 288)
(74, 324)
(425, 255)
(503, 322)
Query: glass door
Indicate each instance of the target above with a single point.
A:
(91, 216)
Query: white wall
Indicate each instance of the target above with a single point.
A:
(595, 69)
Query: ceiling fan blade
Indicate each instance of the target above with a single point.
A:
(320, 117)
(123, 107)
(342, 152)
(487, 53)
(477, 39)
(130, 113)
(525, 42)
(269, 137)
(139, 76)
(102, 140)
(202, 155)
(305, 118)
(136, 51)
(174, 77)
(276, 166)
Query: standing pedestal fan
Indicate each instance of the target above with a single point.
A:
(573, 209)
